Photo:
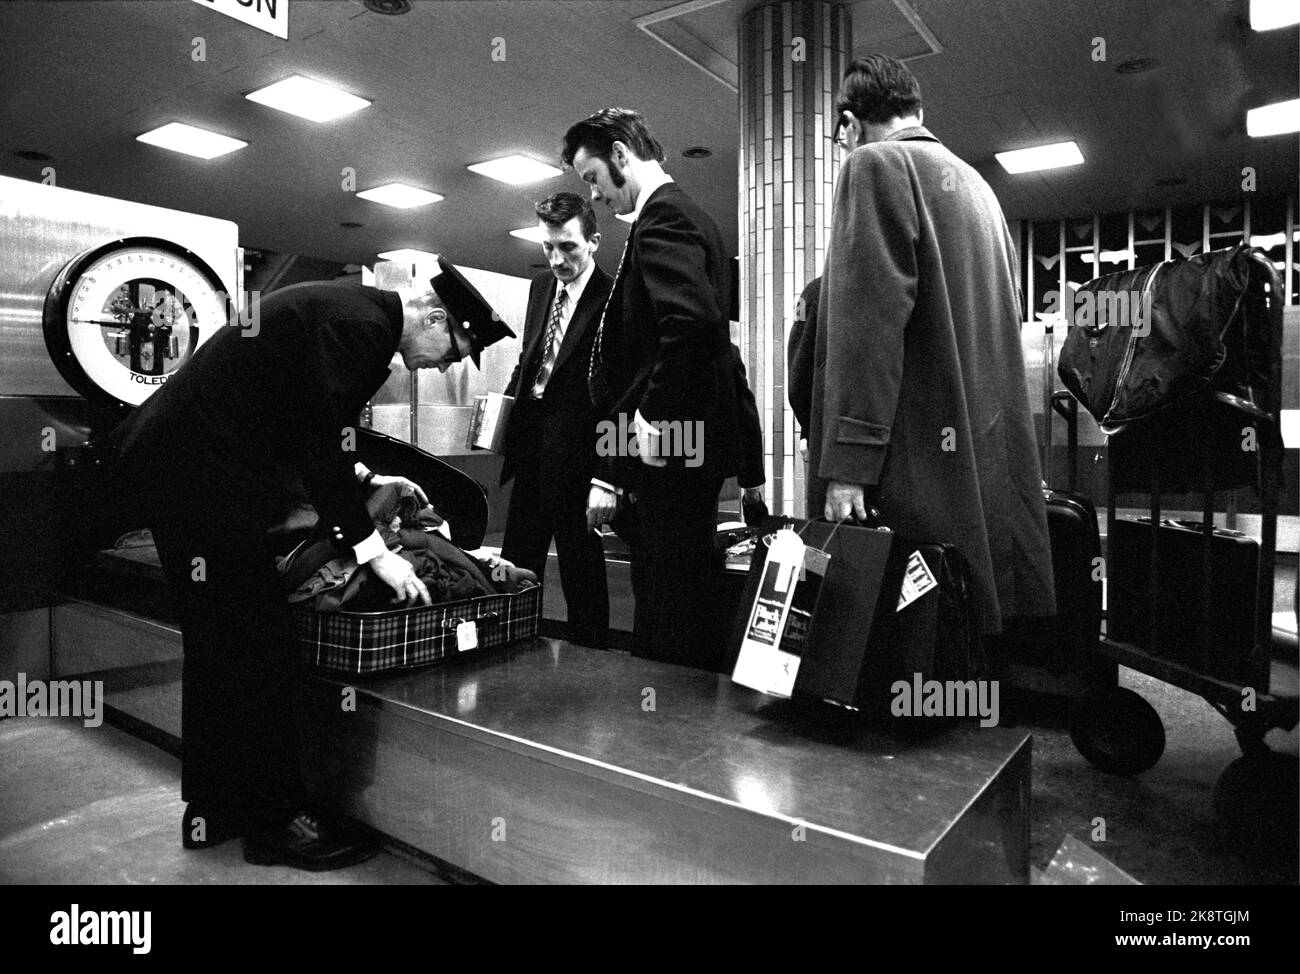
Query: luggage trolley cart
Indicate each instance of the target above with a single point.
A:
(1197, 448)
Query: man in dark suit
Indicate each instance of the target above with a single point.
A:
(207, 458)
(750, 475)
(661, 380)
(550, 445)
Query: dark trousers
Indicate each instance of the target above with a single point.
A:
(239, 678)
(534, 517)
(670, 528)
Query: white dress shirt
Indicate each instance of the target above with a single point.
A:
(573, 295)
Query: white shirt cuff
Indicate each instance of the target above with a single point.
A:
(369, 549)
(617, 491)
(644, 426)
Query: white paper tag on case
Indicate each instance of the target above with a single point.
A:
(917, 580)
(467, 636)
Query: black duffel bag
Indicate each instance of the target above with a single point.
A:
(1141, 341)
(1178, 361)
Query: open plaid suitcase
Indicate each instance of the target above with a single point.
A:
(355, 643)
(377, 642)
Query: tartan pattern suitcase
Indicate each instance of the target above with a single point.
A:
(358, 643)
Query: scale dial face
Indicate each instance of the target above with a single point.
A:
(121, 319)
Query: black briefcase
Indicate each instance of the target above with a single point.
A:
(861, 641)
(1169, 622)
(934, 637)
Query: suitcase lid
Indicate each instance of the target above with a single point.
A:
(458, 497)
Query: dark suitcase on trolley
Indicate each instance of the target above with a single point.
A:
(1077, 571)
(1064, 643)
(1168, 621)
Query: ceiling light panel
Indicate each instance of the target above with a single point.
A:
(399, 195)
(308, 99)
(516, 170)
(409, 256)
(533, 234)
(1271, 14)
(1054, 156)
(190, 140)
(1277, 119)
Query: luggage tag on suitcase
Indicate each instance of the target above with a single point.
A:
(467, 635)
(781, 616)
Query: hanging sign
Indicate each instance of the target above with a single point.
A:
(271, 16)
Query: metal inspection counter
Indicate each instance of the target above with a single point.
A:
(550, 762)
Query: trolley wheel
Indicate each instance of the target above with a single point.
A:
(1117, 731)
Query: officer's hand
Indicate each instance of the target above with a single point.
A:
(420, 495)
(803, 449)
(844, 501)
(396, 572)
(601, 505)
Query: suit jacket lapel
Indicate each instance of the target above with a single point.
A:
(531, 353)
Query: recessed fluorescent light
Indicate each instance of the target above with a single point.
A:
(533, 234)
(1270, 14)
(408, 256)
(515, 170)
(1052, 156)
(399, 195)
(307, 99)
(1269, 241)
(180, 137)
(1107, 257)
(1275, 119)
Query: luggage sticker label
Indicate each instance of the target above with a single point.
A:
(467, 636)
(917, 580)
(762, 665)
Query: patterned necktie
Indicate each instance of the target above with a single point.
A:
(597, 382)
(552, 346)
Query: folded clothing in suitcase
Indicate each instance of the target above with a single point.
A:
(1168, 621)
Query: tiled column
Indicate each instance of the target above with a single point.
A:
(792, 55)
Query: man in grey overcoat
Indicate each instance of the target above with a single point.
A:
(920, 404)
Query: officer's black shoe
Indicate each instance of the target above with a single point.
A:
(204, 827)
(304, 842)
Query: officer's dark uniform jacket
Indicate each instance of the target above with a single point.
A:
(257, 408)
(205, 458)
